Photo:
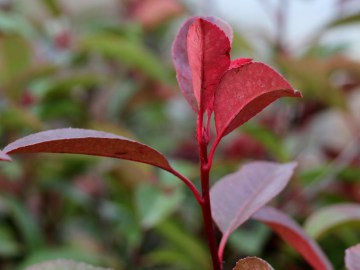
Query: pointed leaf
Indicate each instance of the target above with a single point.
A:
(236, 197)
(327, 218)
(245, 91)
(252, 263)
(352, 258)
(292, 233)
(4, 156)
(64, 265)
(209, 57)
(239, 62)
(181, 59)
(88, 142)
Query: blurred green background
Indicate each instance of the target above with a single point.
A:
(106, 65)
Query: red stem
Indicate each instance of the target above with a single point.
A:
(205, 164)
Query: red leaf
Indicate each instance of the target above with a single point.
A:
(4, 156)
(87, 142)
(181, 63)
(252, 263)
(181, 58)
(292, 233)
(239, 62)
(208, 53)
(352, 258)
(236, 197)
(245, 91)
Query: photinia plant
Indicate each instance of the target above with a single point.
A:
(231, 91)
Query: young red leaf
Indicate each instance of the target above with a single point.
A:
(4, 156)
(352, 258)
(239, 62)
(88, 142)
(236, 197)
(327, 218)
(292, 233)
(252, 263)
(181, 59)
(245, 91)
(208, 50)
(181, 63)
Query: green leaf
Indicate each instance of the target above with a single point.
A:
(331, 217)
(64, 265)
(25, 223)
(8, 245)
(344, 21)
(186, 244)
(15, 56)
(128, 53)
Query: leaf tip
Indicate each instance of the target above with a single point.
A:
(298, 94)
(4, 156)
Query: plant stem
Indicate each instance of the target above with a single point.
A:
(205, 186)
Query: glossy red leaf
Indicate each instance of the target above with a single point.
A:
(330, 217)
(292, 233)
(236, 197)
(352, 258)
(87, 142)
(245, 91)
(252, 263)
(209, 57)
(181, 58)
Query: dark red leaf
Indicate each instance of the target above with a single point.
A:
(292, 233)
(208, 53)
(181, 58)
(245, 91)
(87, 142)
(236, 197)
(252, 263)
(352, 258)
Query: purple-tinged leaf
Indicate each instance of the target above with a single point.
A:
(245, 91)
(87, 142)
(293, 234)
(181, 56)
(236, 197)
(64, 265)
(352, 258)
(327, 218)
(4, 156)
(181, 63)
(223, 25)
(252, 263)
(209, 57)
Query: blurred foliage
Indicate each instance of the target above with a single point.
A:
(107, 65)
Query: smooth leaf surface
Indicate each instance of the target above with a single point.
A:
(64, 265)
(208, 50)
(236, 197)
(245, 91)
(352, 258)
(292, 233)
(327, 218)
(181, 59)
(252, 263)
(4, 156)
(87, 142)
